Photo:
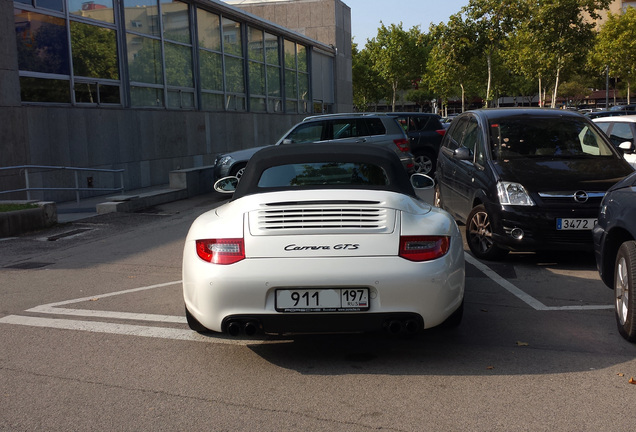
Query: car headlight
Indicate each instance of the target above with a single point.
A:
(513, 194)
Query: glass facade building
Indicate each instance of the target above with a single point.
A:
(178, 55)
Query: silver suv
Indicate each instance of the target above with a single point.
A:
(362, 128)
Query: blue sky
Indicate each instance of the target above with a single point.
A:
(367, 14)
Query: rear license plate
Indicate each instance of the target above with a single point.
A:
(322, 300)
(575, 223)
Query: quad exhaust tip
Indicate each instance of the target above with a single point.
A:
(249, 328)
(406, 326)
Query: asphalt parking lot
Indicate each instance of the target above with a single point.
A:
(93, 337)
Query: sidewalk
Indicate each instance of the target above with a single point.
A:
(128, 201)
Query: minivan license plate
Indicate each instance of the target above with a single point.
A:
(575, 223)
(322, 300)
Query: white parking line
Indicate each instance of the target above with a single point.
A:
(189, 335)
(123, 329)
(522, 295)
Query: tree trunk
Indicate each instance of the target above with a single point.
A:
(489, 60)
(556, 87)
(463, 97)
(540, 94)
(394, 96)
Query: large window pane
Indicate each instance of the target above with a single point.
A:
(255, 44)
(144, 59)
(44, 90)
(109, 94)
(232, 37)
(145, 96)
(257, 104)
(176, 21)
(178, 65)
(234, 75)
(209, 30)
(257, 78)
(303, 86)
(302, 58)
(211, 71)
(142, 16)
(42, 43)
(212, 102)
(94, 51)
(271, 49)
(273, 81)
(101, 10)
(290, 55)
(56, 5)
(180, 99)
(291, 89)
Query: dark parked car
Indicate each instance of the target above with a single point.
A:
(615, 251)
(343, 129)
(525, 179)
(425, 131)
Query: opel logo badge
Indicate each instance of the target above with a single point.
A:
(580, 196)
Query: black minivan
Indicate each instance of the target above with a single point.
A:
(525, 179)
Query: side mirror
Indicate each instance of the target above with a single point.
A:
(287, 141)
(422, 181)
(463, 153)
(627, 147)
(226, 185)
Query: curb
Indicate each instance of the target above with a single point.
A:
(21, 221)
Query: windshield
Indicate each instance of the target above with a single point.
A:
(323, 173)
(561, 137)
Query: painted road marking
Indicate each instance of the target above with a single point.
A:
(189, 335)
(127, 330)
(522, 295)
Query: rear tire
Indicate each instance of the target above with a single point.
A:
(479, 235)
(624, 287)
(194, 324)
(424, 163)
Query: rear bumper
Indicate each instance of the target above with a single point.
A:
(427, 292)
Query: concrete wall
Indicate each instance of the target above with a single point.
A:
(146, 143)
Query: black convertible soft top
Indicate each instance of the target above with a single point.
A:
(286, 154)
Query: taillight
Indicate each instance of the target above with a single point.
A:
(423, 248)
(442, 132)
(402, 144)
(221, 251)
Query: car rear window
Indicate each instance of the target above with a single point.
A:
(323, 174)
(518, 137)
(374, 126)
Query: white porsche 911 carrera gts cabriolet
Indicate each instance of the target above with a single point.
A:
(321, 238)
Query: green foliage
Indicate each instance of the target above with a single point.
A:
(398, 56)
(615, 46)
(503, 47)
(368, 86)
(16, 207)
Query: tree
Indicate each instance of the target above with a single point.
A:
(453, 64)
(616, 47)
(561, 35)
(493, 21)
(398, 56)
(368, 86)
(575, 90)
